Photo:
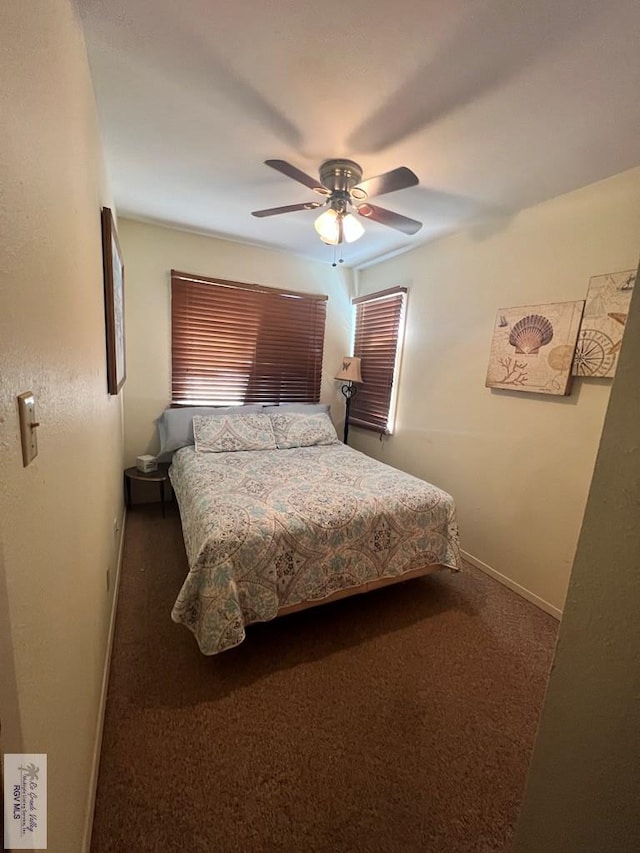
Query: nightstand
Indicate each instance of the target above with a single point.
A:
(160, 477)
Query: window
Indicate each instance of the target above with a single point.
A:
(379, 330)
(237, 343)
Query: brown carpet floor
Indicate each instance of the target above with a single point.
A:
(401, 720)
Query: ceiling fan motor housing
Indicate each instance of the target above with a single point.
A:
(340, 175)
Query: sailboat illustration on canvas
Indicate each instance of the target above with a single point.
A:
(628, 283)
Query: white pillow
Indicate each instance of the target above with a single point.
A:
(298, 430)
(224, 433)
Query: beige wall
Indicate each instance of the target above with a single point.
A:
(151, 252)
(584, 780)
(56, 516)
(519, 465)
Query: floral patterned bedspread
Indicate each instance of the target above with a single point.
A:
(269, 528)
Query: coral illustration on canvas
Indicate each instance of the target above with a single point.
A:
(513, 371)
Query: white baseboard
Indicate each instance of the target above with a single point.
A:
(520, 590)
(97, 748)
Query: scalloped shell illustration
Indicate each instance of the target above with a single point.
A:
(530, 333)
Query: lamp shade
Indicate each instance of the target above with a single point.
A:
(350, 370)
(351, 228)
(327, 227)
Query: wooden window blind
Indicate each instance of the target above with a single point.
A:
(234, 343)
(379, 324)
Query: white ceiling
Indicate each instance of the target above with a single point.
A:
(494, 104)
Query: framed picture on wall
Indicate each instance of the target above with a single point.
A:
(603, 323)
(113, 303)
(532, 348)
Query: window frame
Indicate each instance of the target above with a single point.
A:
(253, 343)
(364, 416)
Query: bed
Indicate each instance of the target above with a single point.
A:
(271, 531)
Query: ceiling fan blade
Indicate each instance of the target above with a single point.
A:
(389, 182)
(288, 208)
(388, 217)
(291, 172)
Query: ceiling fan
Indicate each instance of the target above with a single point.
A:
(344, 191)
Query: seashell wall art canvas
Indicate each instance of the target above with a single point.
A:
(605, 316)
(533, 347)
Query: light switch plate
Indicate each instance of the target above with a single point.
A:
(28, 424)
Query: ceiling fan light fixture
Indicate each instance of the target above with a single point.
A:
(334, 226)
